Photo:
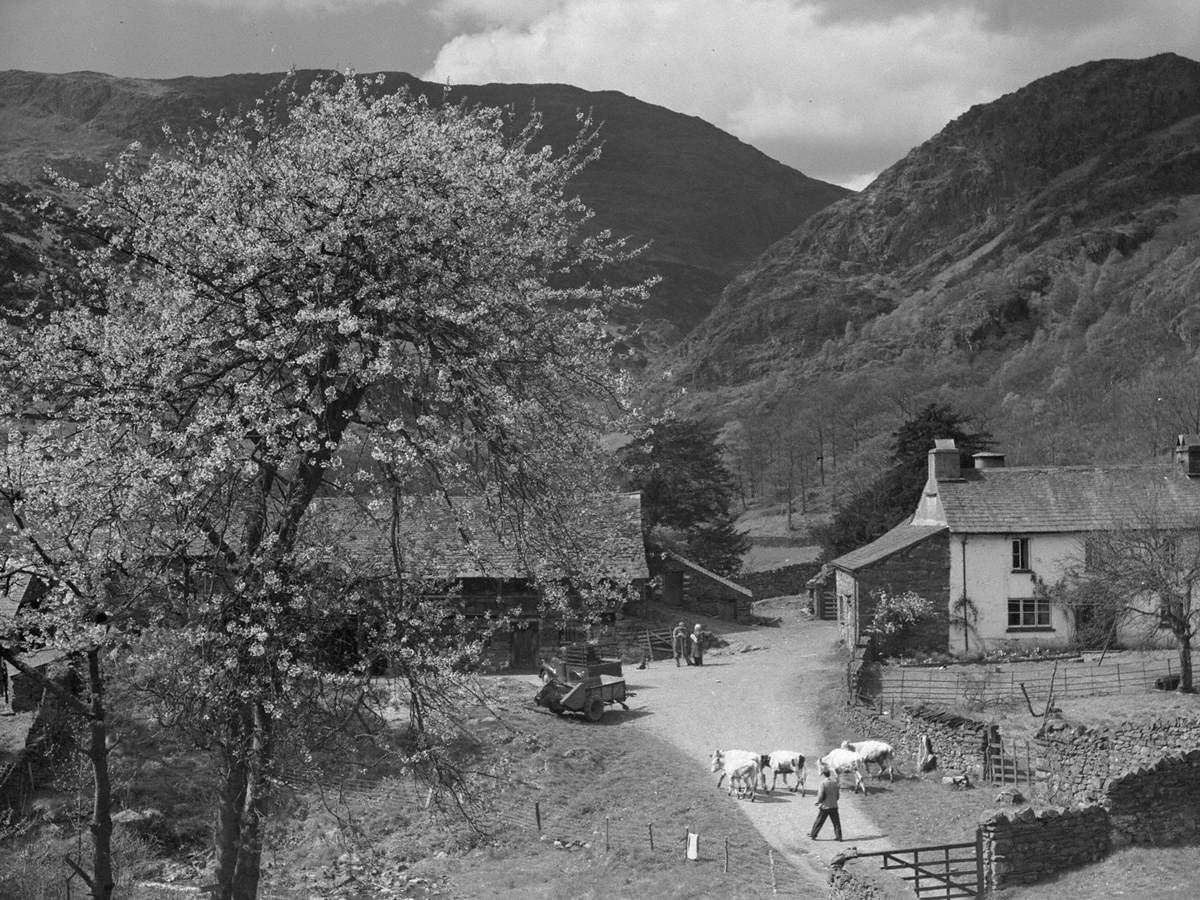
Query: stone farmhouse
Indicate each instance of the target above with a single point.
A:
(982, 537)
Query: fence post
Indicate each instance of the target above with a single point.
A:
(1028, 769)
(979, 862)
(726, 854)
(537, 815)
(1119, 678)
(771, 861)
(607, 846)
(901, 690)
(650, 828)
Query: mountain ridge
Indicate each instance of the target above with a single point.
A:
(706, 202)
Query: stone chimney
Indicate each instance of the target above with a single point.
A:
(988, 460)
(1187, 454)
(944, 461)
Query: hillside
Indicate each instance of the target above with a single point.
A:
(1035, 264)
(706, 202)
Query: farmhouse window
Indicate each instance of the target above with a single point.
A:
(1028, 612)
(1020, 554)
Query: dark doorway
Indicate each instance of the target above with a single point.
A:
(524, 645)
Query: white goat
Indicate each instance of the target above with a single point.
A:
(785, 763)
(741, 766)
(878, 752)
(844, 762)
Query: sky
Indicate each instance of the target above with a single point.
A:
(839, 89)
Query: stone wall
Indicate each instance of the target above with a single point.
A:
(1158, 804)
(1078, 763)
(957, 741)
(785, 581)
(845, 885)
(1026, 846)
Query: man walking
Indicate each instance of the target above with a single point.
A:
(827, 803)
(679, 644)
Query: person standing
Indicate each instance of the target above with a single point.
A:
(827, 804)
(697, 639)
(679, 644)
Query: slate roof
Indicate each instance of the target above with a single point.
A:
(608, 528)
(899, 538)
(1070, 499)
(710, 575)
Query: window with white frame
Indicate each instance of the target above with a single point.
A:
(1028, 612)
(1020, 554)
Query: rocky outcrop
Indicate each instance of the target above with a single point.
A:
(981, 238)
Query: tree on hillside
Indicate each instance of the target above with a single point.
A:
(686, 493)
(888, 499)
(1147, 572)
(342, 301)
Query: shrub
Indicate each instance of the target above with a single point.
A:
(894, 614)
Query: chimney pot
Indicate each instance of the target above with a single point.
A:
(988, 460)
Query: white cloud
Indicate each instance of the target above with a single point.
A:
(836, 94)
(512, 13)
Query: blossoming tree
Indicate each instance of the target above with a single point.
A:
(346, 300)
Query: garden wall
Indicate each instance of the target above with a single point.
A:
(1027, 846)
(1078, 763)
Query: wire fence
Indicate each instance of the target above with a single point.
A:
(984, 685)
(562, 829)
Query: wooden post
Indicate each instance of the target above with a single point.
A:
(1119, 678)
(537, 815)
(1145, 681)
(979, 861)
(727, 854)
(901, 692)
(1028, 769)
(771, 861)
(607, 846)
(650, 827)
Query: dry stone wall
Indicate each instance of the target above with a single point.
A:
(1027, 846)
(845, 885)
(957, 741)
(1157, 804)
(1077, 764)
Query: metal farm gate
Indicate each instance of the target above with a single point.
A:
(939, 871)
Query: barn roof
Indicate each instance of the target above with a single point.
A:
(1069, 499)
(696, 569)
(602, 536)
(901, 537)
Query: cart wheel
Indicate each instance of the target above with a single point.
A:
(594, 710)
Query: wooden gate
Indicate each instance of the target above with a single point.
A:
(940, 871)
(1010, 763)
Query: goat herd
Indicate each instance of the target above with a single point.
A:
(746, 769)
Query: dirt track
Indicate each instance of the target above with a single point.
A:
(760, 699)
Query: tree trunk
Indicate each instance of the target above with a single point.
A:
(255, 807)
(1185, 663)
(101, 826)
(229, 814)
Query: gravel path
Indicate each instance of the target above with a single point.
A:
(758, 699)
